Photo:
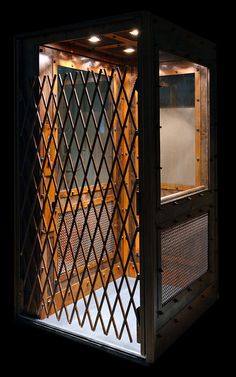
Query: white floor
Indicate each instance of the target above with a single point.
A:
(98, 335)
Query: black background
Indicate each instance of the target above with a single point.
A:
(205, 347)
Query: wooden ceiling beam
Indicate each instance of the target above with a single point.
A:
(128, 42)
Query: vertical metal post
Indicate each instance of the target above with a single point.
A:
(17, 293)
(213, 176)
(148, 189)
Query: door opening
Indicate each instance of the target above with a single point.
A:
(83, 273)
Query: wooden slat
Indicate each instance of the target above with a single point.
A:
(111, 46)
(198, 128)
(91, 266)
(178, 70)
(74, 191)
(204, 124)
(136, 163)
(172, 186)
(128, 42)
(96, 201)
(126, 178)
(132, 271)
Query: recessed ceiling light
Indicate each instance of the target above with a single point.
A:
(134, 32)
(94, 39)
(129, 50)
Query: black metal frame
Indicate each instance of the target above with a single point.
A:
(160, 325)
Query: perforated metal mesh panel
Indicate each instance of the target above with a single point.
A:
(84, 244)
(184, 255)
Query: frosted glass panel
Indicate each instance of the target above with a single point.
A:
(178, 137)
(184, 127)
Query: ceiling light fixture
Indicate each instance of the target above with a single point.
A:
(134, 32)
(129, 50)
(94, 39)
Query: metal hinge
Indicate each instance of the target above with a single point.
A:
(138, 325)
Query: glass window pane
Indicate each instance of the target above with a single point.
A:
(86, 129)
(184, 126)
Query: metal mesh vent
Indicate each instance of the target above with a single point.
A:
(71, 248)
(184, 255)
